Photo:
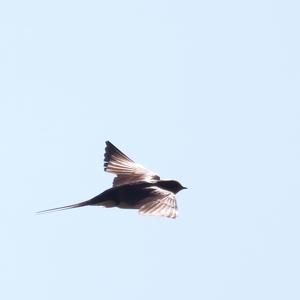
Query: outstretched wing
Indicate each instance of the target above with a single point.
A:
(163, 203)
(127, 170)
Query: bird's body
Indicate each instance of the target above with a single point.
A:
(134, 193)
(134, 187)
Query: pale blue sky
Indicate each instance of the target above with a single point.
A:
(205, 92)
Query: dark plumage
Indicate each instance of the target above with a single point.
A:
(134, 187)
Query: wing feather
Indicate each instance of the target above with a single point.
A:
(162, 204)
(127, 171)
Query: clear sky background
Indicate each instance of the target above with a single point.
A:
(205, 92)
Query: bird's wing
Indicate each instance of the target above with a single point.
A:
(163, 203)
(127, 170)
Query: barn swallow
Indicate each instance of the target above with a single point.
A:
(134, 187)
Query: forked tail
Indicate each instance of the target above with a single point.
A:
(64, 207)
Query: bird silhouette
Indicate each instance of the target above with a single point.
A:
(134, 187)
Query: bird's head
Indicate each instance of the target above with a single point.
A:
(171, 185)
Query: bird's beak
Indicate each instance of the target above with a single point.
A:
(185, 188)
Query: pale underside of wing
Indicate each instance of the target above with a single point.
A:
(162, 204)
(127, 170)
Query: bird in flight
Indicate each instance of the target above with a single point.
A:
(134, 187)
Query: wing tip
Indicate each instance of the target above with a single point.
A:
(112, 153)
(173, 216)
